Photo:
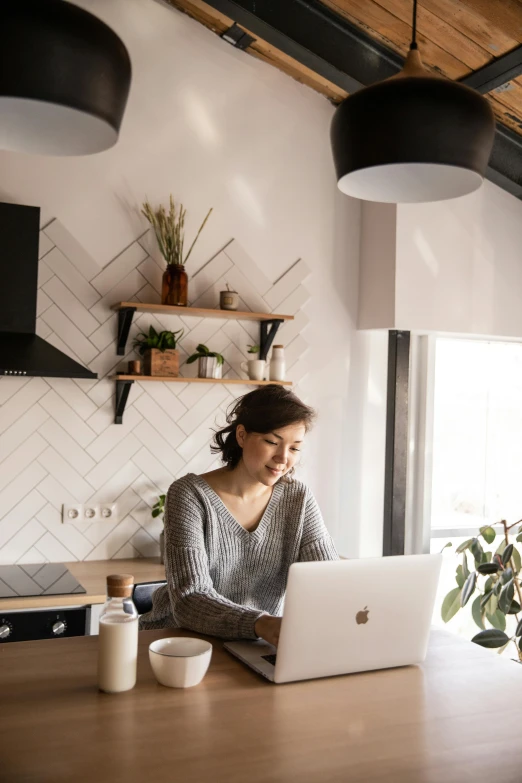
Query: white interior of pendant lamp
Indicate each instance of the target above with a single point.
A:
(51, 129)
(409, 183)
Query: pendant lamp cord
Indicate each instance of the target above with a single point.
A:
(413, 44)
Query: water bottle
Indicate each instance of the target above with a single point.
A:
(118, 637)
(277, 363)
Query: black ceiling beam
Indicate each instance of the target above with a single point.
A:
(316, 37)
(496, 73)
(332, 47)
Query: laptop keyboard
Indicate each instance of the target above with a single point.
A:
(270, 658)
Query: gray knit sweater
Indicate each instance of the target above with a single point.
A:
(222, 578)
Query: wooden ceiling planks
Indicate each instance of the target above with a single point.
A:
(455, 38)
(218, 23)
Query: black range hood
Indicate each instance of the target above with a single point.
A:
(22, 352)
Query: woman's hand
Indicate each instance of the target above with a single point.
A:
(268, 627)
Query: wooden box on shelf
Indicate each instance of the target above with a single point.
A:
(161, 363)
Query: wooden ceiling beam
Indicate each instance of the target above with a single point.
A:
(328, 44)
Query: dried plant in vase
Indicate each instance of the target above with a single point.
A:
(169, 228)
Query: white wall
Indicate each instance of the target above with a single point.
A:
(216, 128)
(455, 265)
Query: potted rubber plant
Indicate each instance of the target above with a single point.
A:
(169, 228)
(210, 363)
(492, 578)
(160, 356)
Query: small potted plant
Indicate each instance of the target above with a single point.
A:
(158, 509)
(160, 357)
(169, 229)
(210, 363)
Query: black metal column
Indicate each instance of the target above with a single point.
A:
(396, 460)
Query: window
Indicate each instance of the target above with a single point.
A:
(476, 474)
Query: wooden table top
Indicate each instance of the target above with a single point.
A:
(455, 718)
(92, 575)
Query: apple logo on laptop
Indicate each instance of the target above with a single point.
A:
(362, 617)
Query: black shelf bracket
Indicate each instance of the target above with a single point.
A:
(267, 336)
(125, 316)
(122, 395)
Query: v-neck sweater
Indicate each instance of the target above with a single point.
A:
(221, 577)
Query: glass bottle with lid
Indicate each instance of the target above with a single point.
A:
(118, 636)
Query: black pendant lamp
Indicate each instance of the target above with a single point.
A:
(64, 79)
(412, 138)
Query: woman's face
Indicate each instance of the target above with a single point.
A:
(268, 456)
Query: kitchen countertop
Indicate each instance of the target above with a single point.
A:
(455, 717)
(92, 575)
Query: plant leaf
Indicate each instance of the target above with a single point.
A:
(497, 620)
(488, 568)
(450, 605)
(506, 554)
(506, 597)
(492, 637)
(518, 632)
(156, 512)
(476, 550)
(463, 546)
(516, 560)
(485, 598)
(514, 608)
(465, 569)
(476, 613)
(469, 588)
(459, 576)
(519, 537)
(506, 575)
(488, 534)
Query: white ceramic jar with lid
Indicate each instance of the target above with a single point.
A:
(277, 363)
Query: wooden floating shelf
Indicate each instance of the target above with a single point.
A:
(199, 312)
(179, 379)
(269, 323)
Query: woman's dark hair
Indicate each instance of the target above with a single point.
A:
(264, 410)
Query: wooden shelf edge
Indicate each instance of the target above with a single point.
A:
(180, 379)
(200, 312)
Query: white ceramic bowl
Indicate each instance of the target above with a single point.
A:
(180, 661)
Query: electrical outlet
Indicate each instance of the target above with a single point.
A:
(72, 513)
(90, 512)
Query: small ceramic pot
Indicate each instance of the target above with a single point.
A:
(228, 300)
(208, 367)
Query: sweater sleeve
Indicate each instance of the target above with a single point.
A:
(316, 542)
(195, 603)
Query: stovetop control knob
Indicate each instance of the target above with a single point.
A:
(5, 630)
(59, 628)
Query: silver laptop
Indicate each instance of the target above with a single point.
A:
(347, 616)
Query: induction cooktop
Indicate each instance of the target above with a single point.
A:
(39, 579)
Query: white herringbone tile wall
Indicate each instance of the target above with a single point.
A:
(58, 442)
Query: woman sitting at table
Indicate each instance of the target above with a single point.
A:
(232, 534)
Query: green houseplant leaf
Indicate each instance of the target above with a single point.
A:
(506, 597)
(488, 534)
(488, 568)
(476, 550)
(477, 614)
(497, 620)
(492, 637)
(506, 554)
(459, 576)
(463, 546)
(451, 604)
(469, 588)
